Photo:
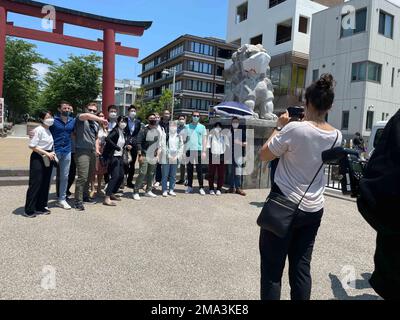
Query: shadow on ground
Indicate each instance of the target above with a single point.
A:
(341, 294)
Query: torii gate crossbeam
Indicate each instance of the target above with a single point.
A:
(107, 45)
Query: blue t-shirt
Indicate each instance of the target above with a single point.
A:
(195, 135)
(61, 132)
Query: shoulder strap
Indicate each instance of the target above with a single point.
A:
(337, 137)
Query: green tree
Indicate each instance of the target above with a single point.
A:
(21, 83)
(165, 101)
(155, 106)
(76, 80)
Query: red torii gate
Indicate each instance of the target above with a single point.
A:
(108, 46)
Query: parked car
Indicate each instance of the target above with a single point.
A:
(376, 134)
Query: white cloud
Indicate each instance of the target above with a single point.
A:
(42, 69)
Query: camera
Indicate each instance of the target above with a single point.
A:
(351, 168)
(296, 113)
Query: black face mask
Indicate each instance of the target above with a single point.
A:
(65, 113)
(152, 122)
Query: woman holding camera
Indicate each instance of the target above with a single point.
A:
(41, 167)
(299, 145)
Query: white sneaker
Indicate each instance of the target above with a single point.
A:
(156, 185)
(212, 192)
(165, 194)
(172, 193)
(218, 193)
(202, 192)
(64, 205)
(189, 190)
(136, 196)
(150, 194)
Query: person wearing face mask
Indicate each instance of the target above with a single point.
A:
(218, 143)
(196, 151)
(238, 143)
(162, 127)
(148, 144)
(72, 167)
(182, 132)
(86, 133)
(40, 168)
(113, 116)
(113, 155)
(132, 132)
(171, 152)
(62, 131)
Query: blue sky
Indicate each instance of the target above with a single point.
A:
(171, 19)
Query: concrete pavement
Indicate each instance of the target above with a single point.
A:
(191, 247)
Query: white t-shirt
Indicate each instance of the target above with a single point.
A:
(299, 146)
(42, 139)
(120, 143)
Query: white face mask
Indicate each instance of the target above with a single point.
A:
(113, 115)
(48, 122)
(235, 125)
(122, 125)
(132, 115)
(218, 130)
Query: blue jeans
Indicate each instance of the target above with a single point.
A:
(168, 173)
(63, 173)
(235, 178)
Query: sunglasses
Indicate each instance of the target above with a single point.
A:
(92, 111)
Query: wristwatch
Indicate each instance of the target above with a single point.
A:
(278, 128)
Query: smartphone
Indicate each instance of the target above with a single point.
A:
(296, 113)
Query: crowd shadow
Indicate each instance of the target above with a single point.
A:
(340, 293)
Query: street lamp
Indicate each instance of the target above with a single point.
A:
(167, 72)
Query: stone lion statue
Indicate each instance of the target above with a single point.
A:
(247, 74)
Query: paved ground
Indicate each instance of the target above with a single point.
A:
(14, 149)
(191, 247)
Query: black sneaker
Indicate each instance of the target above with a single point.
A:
(89, 201)
(180, 182)
(44, 212)
(79, 206)
(29, 215)
(130, 186)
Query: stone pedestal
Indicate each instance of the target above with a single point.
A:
(256, 174)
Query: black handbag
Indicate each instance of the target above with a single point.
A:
(279, 212)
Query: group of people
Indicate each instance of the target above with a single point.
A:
(91, 149)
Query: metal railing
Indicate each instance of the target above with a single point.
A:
(332, 173)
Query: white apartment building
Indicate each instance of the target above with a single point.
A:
(364, 61)
(283, 27)
(125, 94)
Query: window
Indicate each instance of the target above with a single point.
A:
(370, 120)
(201, 48)
(202, 86)
(129, 98)
(257, 40)
(374, 72)
(386, 24)
(361, 24)
(176, 51)
(345, 120)
(148, 65)
(303, 25)
(280, 77)
(241, 12)
(315, 75)
(392, 83)
(362, 71)
(284, 32)
(200, 67)
(273, 3)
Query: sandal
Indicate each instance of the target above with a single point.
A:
(110, 204)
